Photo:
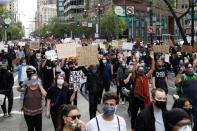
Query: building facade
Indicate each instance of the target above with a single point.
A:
(60, 9)
(73, 9)
(13, 7)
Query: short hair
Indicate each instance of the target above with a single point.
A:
(110, 96)
(153, 92)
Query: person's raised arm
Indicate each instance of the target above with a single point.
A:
(152, 64)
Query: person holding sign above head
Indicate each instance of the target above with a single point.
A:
(48, 72)
(57, 95)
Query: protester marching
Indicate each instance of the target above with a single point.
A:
(52, 76)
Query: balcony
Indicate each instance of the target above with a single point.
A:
(74, 7)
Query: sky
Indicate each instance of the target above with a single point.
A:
(27, 9)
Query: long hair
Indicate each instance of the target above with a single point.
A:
(64, 111)
(54, 84)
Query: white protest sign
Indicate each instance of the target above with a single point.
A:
(51, 55)
(127, 46)
(21, 44)
(167, 58)
(75, 79)
(1, 47)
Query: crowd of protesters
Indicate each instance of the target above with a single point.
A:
(46, 89)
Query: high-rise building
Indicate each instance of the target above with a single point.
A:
(52, 1)
(13, 7)
(45, 11)
(60, 9)
(73, 9)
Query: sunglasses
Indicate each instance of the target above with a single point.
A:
(75, 117)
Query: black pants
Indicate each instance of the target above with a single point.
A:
(10, 102)
(106, 85)
(136, 105)
(119, 91)
(54, 117)
(93, 102)
(34, 122)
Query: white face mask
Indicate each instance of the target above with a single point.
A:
(60, 82)
(185, 128)
(104, 61)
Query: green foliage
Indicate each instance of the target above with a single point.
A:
(58, 28)
(112, 25)
(16, 30)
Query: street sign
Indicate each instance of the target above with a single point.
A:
(151, 30)
(130, 10)
(119, 11)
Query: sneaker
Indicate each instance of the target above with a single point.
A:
(9, 115)
(5, 115)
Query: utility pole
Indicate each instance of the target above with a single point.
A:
(192, 24)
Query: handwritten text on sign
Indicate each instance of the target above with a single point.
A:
(74, 79)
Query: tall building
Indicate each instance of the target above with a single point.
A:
(13, 7)
(73, 9)
(48, 12)
(52, 1)
(60, 9)
(45, 11)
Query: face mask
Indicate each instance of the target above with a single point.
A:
(131, 67)
(188, 110)
(141, 73)
(108, 110)
(71, 123)
(142, 64)
(60, 82)
(123, 64)
(104, 61)
(94, 71)
(161, 104)
(190, 71)
(159, 66)
(185, 128)
(24, 64)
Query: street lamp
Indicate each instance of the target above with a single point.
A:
(7, 22)
(99, 11)
(149, 9)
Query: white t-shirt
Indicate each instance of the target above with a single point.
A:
(106, 125)
(159, 124)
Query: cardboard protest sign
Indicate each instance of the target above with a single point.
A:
(161, 48)
(87, 55)
(187, 49)
(195, 47)
(66, 50)
(51, 55)
(127, 46)
(74, 80)
(16, 61)
(34, 45)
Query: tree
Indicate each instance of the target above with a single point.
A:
(178, 18)
(16, 30)
(112, 25)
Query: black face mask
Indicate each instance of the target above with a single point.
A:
(188, 111)
(71, 68)
(159, 66)
(161, 104)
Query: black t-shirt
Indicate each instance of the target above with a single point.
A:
(160, 75)
(64, 94)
